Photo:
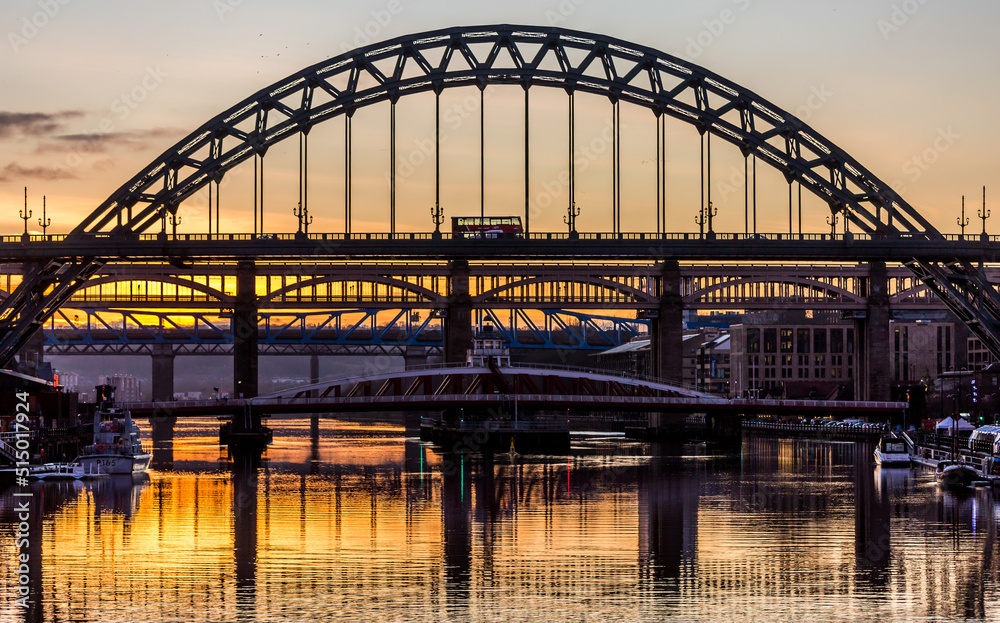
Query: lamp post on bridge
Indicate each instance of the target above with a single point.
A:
(25, 215)
(174, 222)
(700, 220)
(570, 219)
(832, 222)
(711, 213)
(963, 220)
(44, 222)
(302, 213)
(437, 215)
(984, 214)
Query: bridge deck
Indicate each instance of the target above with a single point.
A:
(777, 247)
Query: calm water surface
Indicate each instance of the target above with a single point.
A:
(366, 524)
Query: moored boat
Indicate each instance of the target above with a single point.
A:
(956, 475)
(891, 452)
(116, 448)
(66, 471)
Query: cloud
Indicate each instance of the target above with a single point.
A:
(33, 123)
(14, 172)
(96, 142)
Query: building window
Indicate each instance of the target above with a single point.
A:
(819, 340)
(802, 337)
(821, 373)
(770, 340)
(850, 340)
(786, 341)
(836, 340)
(753, 340)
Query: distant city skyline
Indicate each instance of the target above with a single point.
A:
(94, 92)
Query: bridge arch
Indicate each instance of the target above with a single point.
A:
(506, 54)
(425, 295)
(830, 292)
(919, 292)
(636, 295)
(212, 293)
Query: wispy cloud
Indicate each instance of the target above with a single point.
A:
(14, 172)
(97, 142)
(34, 123)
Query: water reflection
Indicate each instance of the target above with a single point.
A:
(362, 523)
(244, 512)
(872, 532)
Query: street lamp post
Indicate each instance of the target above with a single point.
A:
(962, 220)
(700, 221)
(44, 221)
(570, 219)
(437, 215)
(711, 213)
(832, 222)
(302, 213)
(26, 214)
(984, 214)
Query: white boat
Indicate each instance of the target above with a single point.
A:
(116, 448)
(891, 452)
(66, 471)
(956, 474)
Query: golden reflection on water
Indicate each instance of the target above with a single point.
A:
(365, 524)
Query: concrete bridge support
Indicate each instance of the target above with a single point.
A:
(458, 322)
(314, 378)
(162, 388)
(415, 356)
(245, 332)
(872, 334)
(667, 327)
(31, 354)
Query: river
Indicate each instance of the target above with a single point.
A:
(366, 524)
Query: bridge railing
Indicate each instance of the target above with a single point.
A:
(819, 404)
(652, 236)
(558, 368)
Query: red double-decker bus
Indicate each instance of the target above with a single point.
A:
(486, 226)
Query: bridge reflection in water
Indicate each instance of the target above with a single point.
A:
(365, 521)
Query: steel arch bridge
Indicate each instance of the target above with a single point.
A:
(505, 54)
